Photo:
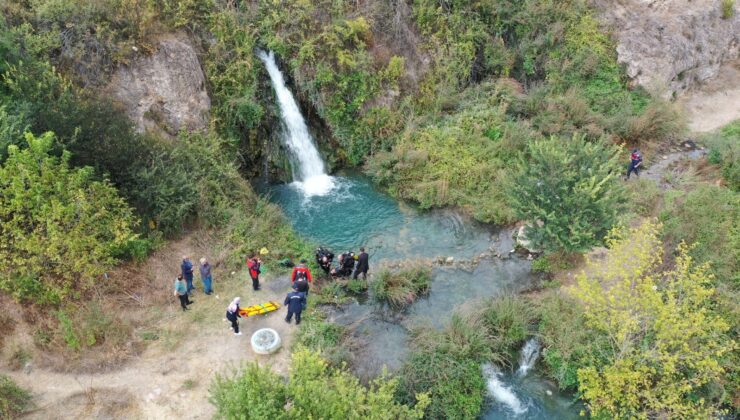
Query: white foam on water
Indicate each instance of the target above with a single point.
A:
(308, 169)
(528, 357)
(500, 392)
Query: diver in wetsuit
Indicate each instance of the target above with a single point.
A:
(324, 258)
(346, 265)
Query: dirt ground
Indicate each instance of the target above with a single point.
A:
(717, 102)
(170, 378)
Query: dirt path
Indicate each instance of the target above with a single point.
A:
(170, 378)
(716, 103)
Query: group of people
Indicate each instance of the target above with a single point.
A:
(300, 278)
(349, 263)
(184, 282)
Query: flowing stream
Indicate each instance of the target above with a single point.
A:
(345, 212)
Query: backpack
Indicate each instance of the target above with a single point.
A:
(300, 275)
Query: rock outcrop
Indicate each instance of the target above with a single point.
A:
(164, 92)
(670, 46)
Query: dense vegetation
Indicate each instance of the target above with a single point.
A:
(314, 390)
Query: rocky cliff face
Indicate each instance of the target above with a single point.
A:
(670, 46)
(166, 91)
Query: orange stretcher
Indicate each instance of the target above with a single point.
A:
(258, 309)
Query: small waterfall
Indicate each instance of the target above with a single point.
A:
(501, 392)
(308, 168)
(530, 353)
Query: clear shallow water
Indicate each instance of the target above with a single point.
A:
(355, 214)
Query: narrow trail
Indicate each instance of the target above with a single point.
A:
(170, 379)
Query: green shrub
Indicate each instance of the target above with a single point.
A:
(357, 286)
(707, 217)
(568, 344)
(728, 9)
(558, 177)
(510, 320)
(447, 365)
(60, 228)
(724, 150)
(314, 390)
(14, 400)
(643, 197)
(255, 392)
(401, 288)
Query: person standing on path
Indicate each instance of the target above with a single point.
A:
(232, 314)
(635, 162)
(362, 264)
(187, 272)
(206, 276)
(295, 301)
(254, 264)
(181, 291)
(300, 277)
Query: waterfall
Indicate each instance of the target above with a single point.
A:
(501, 392)
(308, 169)
(530, 353)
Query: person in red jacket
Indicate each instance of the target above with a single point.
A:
(254, 264)
(300, 277)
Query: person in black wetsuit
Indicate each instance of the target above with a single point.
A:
(346, 265)
(362, 264)
(324, 258)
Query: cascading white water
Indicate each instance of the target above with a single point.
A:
(501, 392)
(308, 169)
(530, 353)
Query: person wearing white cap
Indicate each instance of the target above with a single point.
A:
(232, 314)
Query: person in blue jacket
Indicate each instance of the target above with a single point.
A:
(295, 301)
(187, 273)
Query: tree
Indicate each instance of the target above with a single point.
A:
(59, 228)
(568, 191)
(314, 390)
(666, 343)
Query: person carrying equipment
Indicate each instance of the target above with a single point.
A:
(254, 264)
(295, 301)
(300, 277)
(635, 162)
(324, 258)
(362, 264)
(232, 314)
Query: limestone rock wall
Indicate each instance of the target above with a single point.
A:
(670, 46)
(165, 91)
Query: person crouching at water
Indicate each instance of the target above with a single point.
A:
(300, 277)
(232, 314)
(254, 264)
(181, 291)
(295, 301)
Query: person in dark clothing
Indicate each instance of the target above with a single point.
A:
(362, 264)
(300, 277)
(232, 314)
(187, 272)
(346, 265)
(254, 265)
(324, 258)
(295, 301)
(635, 162)
(181, 291)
